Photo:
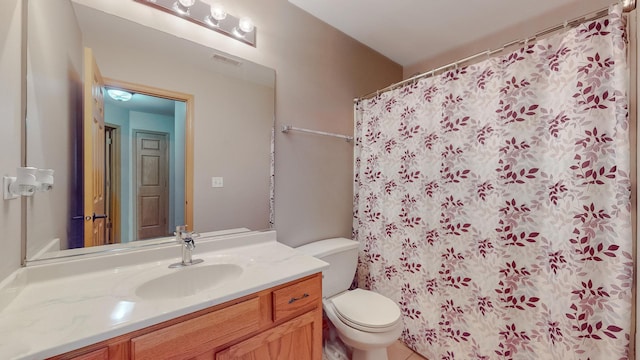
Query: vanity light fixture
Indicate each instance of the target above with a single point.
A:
(213, 17)
(119, 95)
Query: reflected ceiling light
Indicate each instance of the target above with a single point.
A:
(119, 95)
(218, 13)
(213, 17)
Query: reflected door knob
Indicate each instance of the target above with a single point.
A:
(90, 218)
(95, 216)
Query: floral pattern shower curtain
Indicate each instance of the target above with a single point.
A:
(492, 202)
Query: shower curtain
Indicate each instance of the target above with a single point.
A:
(492, 202)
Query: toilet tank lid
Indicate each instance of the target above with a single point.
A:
(327, 247)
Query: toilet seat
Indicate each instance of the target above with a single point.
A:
(366, 310)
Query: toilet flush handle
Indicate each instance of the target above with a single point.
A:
(293, 299)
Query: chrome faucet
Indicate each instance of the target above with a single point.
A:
(185, 239)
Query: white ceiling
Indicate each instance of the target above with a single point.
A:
(410, 31)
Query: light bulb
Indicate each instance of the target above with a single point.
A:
(246, 25)
(218, 12)
(187, 3)
(182, 6)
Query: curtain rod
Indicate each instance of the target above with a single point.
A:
(627, 6)
(287, 128)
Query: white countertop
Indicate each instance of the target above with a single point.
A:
(54, 308)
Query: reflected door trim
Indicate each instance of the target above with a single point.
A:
(188, 99)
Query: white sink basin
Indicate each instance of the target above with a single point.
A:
(188, 281)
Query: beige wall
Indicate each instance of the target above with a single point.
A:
(54, 92)
(11, 115)
(513, 33)
(318, 73)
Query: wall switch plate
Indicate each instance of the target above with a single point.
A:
(217, 182)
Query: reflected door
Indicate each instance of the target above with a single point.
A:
(152, 172)
(93, 143)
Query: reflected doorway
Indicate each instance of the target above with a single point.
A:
(152, 174)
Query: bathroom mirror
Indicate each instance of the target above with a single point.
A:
(207, 115)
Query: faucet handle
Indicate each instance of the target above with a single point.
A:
(189, 234)
(180, 229)
(189, 243)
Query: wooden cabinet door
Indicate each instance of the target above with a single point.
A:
(186, 339)
(294, 339)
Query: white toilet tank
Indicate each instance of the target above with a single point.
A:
(342, 256)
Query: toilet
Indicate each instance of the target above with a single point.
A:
(364, 320)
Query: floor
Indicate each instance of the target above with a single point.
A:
(399, 351)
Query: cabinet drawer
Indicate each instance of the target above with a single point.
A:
(296, 298)
(191, 337)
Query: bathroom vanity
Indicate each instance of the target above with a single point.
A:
(283, 322)
(251, 298)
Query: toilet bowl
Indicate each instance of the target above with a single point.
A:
(364, 320)
(366, 327)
